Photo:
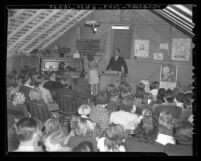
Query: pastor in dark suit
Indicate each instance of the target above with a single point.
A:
(117, 63)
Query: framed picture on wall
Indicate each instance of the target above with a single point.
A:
(168, 76)
(141, 48)
(181, 49)
(158, 56)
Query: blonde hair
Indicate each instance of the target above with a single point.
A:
(52, 125)
(84, 110)
(114, 136)
(82, 126)
(56, 137)
(18, 98)
(35, 94)
(166, 119)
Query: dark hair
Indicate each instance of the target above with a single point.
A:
(82, 75)
(139, 92)
(26, 77)
(170, 96)
(180, 97)
(188, 99)
(154, 85)
(90, 57)
(84, 146)
(147, 130)
(161, 95)
(26, 127)
(184, 133)
(102, 98)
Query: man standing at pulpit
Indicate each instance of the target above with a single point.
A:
(117, 63)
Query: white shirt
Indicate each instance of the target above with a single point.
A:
(165, 139)
(126, 119)
(47, 97)
(25, 148)
(102, 148)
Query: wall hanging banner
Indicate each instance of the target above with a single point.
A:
(142, 48)
(158, 56)
(181, 49)
(168, 76)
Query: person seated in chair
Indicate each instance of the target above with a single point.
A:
(37, 107)
(28, 131)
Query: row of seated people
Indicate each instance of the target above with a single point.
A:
(86, 135)
(121, 106)
(139, 130)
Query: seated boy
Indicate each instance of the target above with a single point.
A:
(28, 132)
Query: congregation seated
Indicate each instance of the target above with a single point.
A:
(99, 112)
(82, 87)
(117, 120)
(54, 142)
(47, 96)
(81, 130)
(26, 87)
(166, 131)
(145, 135)
(16, 109)
(113, 139)
(37, 107)
(28, 132)
(184, 141)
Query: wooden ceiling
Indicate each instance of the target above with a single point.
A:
(30, 29)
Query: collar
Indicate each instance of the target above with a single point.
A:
(28, 85)
(102, 105)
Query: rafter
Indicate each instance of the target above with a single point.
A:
(45, 30)
(56, 37)
(25, 23)
(57, 29)
(20, 11)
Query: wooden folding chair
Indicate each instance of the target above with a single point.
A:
(39, 111)
(67, 108)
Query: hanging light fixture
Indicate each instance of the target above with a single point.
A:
(92, 24)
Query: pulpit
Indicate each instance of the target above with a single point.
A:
(109, 77)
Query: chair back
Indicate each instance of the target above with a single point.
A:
(67, 104)
(39, 111)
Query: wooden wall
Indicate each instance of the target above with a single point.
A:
(145, 25)
(18, 62)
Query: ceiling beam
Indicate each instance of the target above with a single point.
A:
(24, 35)
(45, 30)
(25, 23)
(16, 14)
(52, 40)
(57, 29)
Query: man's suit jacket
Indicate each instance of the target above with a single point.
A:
(115, 65)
